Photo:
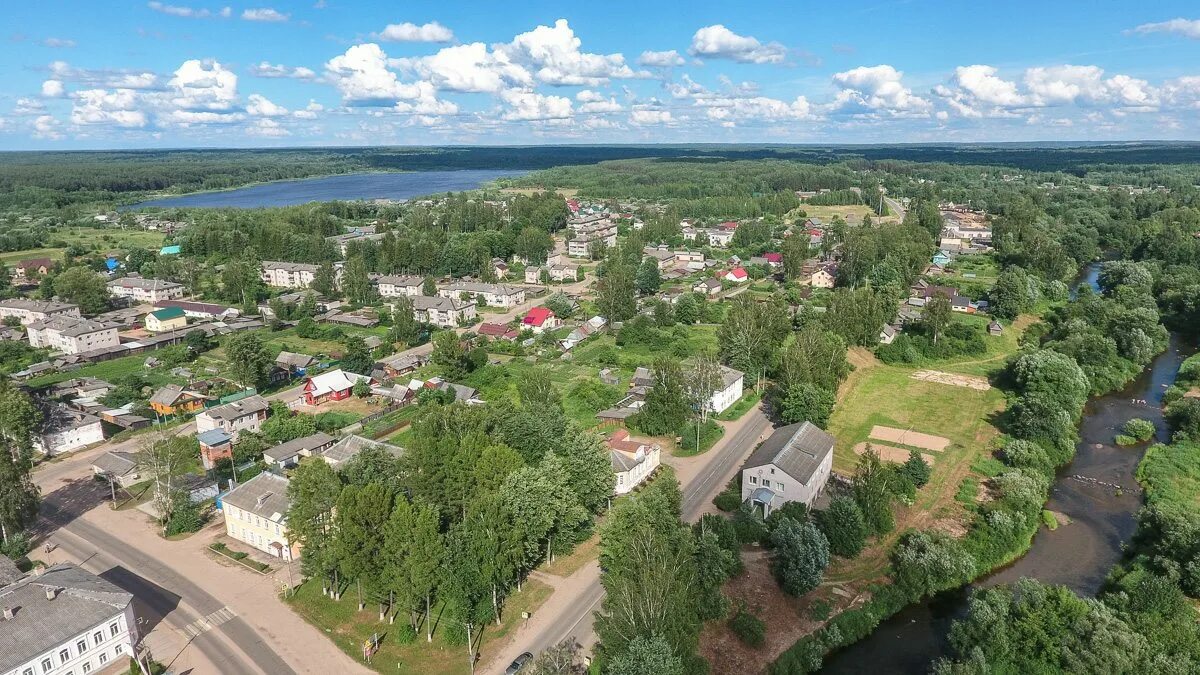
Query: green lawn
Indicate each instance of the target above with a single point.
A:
(349, 628)
(1171, 475)
(114, 370)
(104, 239)
(13, 257)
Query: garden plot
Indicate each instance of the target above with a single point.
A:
(969, 381)
(890, 453)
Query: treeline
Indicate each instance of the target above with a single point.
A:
(480, 497)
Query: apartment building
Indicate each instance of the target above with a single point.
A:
(291, 275)
(396, 286)
(139, 289)
(71, 334)
(28, 311)
(442, 312)
(247, 414)
(590, 229)
(495, 295)
(64, 621)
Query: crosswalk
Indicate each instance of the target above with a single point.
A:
(207, 623)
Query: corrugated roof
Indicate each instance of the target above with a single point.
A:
(797, 449)
(264, 495)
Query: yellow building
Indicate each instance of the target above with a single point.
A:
(256, 513)
(166, 319)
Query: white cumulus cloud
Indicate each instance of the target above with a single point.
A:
(260, 106)
(1189, 28)
(468, 68)
(650, 117)
(664, 59)
(121, 108)
(718, 42)
(204, 85)
(266, 15)
(553, 54)
(273, 71)
(411, 32)
(876, 89)
(186, 12)
(53, 89)
(532, 106)
(46, 127)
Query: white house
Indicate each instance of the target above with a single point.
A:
(632, 461)
(395, 286)
(441, 311)
(28, 311)
(246, 414)
(533, 274)
(495, 295)
(792, 465)
(65, 429)
(291, 275)
(822, 277)
(728, 392)
(139, 289)
(64, 621)
(719, 238)
(72, 335)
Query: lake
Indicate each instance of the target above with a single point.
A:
(346, 187)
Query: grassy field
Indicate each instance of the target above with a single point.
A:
(349, 628)
(1171, 475)
(103, 239)
(741, 406)
(878, 394)
(13, 257)
(851, 213)
(112, 371)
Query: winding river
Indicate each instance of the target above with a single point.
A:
(1078, 555)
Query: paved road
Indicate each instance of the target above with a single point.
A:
(895, 207)
(575, 622)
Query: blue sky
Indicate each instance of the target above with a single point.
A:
(185, 73)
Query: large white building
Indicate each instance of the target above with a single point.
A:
(396, 286)
(29, 311)
(292, 275)
(728, 392)
(144, 290)
(442, 312)
(588, 230)
(65, 429)
(495, 295)
(63, 621)
(632, 461)
(72, 335)
(792, 465)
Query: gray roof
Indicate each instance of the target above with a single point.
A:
(623, 461)
(238, 409)
(461, 391)
(289, 266)
(729, 376)
(401, 280)
(423, 303)
(265, 495)
(83, 601)
(797, 449)
(44, 306)
(292, 448)
(144, 284)
(71, 326)
(294, 360)
(478, 287)
(116, 463)
(167, 395)
(8, 571)
(349, 447)
(213, 437)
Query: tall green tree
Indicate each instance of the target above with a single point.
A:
(936, 316)
(795, 254)
(843, 526)
(646, 655)
(325, 281)
(872, 492)
(313, 492)
(615, 298)
(588, 467)
(801, 554)
(752, 333)
(648, 278)
(666, 408)
(360, 519)
(248, 358)
(82, 286)
(449, 355)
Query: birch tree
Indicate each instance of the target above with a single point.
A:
(165, 458)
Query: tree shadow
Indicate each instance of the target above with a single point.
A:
(151, 602)
(70, 501)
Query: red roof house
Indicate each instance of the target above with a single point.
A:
(573, 204)
(541, 318)
(729, 225)
(497, 330)
(774, 258)
(736, 274)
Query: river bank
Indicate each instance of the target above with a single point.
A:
(1078, 554)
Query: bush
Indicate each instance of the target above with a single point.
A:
(710, 432)
(728, 501)
(1139, 430)
(801, 556)
(843, 525)
(749, 525)
(916, 468)
(185, 517)
(405, 634)
(796, 511)
(17, 546)
(749, 628)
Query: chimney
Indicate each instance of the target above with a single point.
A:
(51, 592)
(8, 613)
(39, 570)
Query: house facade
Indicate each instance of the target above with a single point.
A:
(71, 334)
(396, 286)
(166, 319)
(443, 312)
(728, 392)
(215, 445)
(589, 229)
(540, 320)
(494, 295)
(632, 461)
(246, 414)
(66, 429)
(28, 311)
(256, 514)
(792, 465)
(67, 621)
(144, 290)
(287, 274)
(174, 400)
(335, 385)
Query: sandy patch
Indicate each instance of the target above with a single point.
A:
(914, 438)
(969, 381)
(890, 453)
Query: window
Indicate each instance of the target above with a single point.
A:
(27, 671)
(81, 646)
(64, 655)
(119, 649)
(98, 637)
(87, 667)
(772, 471)
(112, 629)
(754, 480)
(46, 665)
(103, 658)
(780, 486)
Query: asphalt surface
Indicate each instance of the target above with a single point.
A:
(576, 623)
(160, 592)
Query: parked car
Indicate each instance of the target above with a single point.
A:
(518, 664)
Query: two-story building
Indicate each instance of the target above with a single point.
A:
(290, 275)
(495, 295)
(792, 465)
(256, 514)
(166, 319)
(64, 621)
(392, 286)
(72, 334)
(140, 289)
(246, 414)
(728, 391)
(442, 312)
(28, 311)
(66, 429)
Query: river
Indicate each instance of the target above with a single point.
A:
(1078, 555)
(347, 187)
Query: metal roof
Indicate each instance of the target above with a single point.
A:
(797, 449)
